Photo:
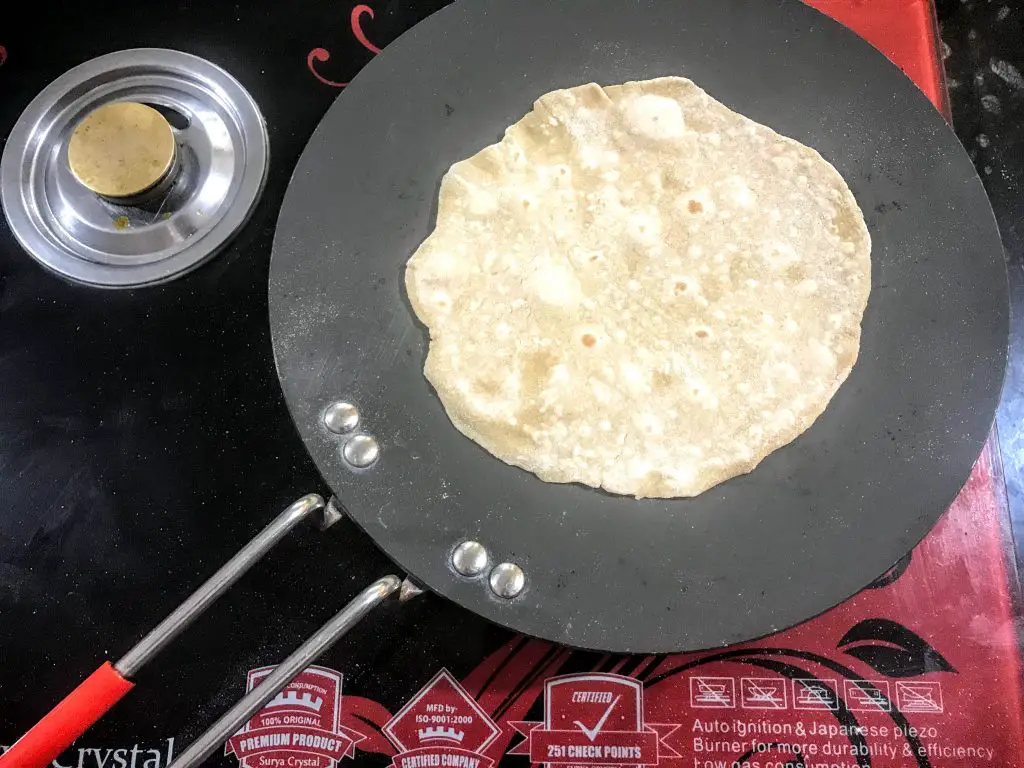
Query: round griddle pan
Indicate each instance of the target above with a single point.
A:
(819, 518)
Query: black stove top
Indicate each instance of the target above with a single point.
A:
(143, 433)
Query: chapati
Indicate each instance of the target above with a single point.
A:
(640, 290)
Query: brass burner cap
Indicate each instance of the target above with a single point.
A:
(121, 149)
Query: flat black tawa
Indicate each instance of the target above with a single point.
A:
(818, 519)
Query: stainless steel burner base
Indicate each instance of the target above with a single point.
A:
(223, 149)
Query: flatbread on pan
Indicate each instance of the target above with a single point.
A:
(640, 290)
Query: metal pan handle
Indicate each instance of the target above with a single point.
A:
(107, 685)
(286, 671)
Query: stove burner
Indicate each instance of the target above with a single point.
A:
(144, 213)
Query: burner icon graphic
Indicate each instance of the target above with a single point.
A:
(868, 695)
(438, 733)
(763, 693)
(713, 692)
(815, 694)
(919, 697)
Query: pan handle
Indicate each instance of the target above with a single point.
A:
(287, 670)
(68, 720)
(107, 685)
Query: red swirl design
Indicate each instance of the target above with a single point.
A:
(3, 55)
(321, 55)
(357, 28)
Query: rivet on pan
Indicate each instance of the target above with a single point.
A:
(469, 558)
(507, 580)
(341, 417)
(361, 451)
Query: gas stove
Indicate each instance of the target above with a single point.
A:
(144, 439)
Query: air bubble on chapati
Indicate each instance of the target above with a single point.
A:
(634, 377)
(556, 284)
(442, 300)
(649, 423)
(601, 391)
(645, 226)
(736, 189)
(655, 116)
(808, 287)
(559, 373)
(786, 371)
(779, 255)
(481, 202)
(784, 163)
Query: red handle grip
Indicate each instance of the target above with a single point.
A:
(68, 720)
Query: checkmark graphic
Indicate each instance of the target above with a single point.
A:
(591, 733)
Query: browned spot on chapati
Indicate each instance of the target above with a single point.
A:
(796, 273)
(514, 436)
(713, 290)
(847, 356)
(744, 267)
(536, 370)
(487, 386)
(588, 340)
(654, 484)
(694, 206)
(661, 380)
(847, 226)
